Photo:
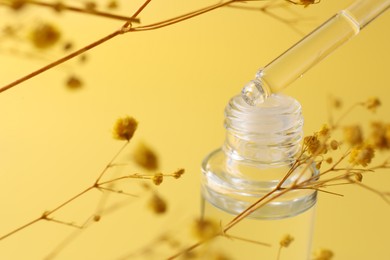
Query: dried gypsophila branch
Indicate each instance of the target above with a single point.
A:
(60, 7)
(123, 130)
(314, 148)
(126, 28)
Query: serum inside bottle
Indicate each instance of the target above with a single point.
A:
(262, 143)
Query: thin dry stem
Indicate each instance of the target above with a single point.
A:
(247, 240)
(110, 164)
(117, 191)
(384, 195)
(60, 61)
(21, 228)
(258, 204)
(62, 6)
(126, 28)
(70, 224)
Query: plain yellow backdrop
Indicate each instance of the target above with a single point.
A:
(176, 81)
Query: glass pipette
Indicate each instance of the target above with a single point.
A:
(311, 49)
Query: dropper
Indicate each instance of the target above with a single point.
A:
(294, 62)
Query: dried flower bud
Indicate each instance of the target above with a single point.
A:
(205, 228)
(177, 174)
(324, 133)
(372, 104)
(286, 241)
(334, 145)
(353, 135)
(318, 165)
(323, 254)
(358, 177)
(158, 178)
(74, 82)
(329, 160)
(113, 4)
(17, 5)
(45, 35)
(305, 3)
(145, 157)
(90, 6)
(124, 128)
(336, 103)
(157, 204)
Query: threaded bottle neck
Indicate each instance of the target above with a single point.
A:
(268, 134)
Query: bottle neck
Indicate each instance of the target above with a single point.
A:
(265, 135)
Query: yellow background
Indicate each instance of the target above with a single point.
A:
(176, 81)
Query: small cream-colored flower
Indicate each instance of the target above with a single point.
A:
(353, 135)
(361, 155)
(286, 240)
(124, 128)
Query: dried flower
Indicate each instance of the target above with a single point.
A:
(318, 165)
(361, 155)
(58, 7)
(177, 174)
(336, 103)
(372, 104)
(323, 254)
(334, 145)
(45, 35)
(113, 4)
(314, 145)
(305, 3)
(353, 135)
(286, 241)
(124, 128)
(73, 82)
(324, 133)
(90, 6)
(380, 134)
(158, 178)
(157, 204)
(358, 177)
(145, 157)
(204, 229)
(17, 4)
(329, 160)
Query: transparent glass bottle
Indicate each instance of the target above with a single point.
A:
(261, 145)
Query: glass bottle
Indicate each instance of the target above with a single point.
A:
(261, 145)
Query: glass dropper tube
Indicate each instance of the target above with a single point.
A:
(294, 62)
